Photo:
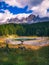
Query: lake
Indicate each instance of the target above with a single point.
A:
(29, 41)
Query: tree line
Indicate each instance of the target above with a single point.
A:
(35, 29)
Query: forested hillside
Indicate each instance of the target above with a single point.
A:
(35, 29)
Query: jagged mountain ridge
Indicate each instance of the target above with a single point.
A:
(30, 19)
(22, 20)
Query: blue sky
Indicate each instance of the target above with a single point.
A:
(14, 10)
(23, 8)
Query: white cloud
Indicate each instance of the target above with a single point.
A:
(5, 16)
(41, 9)
(1, 15)
(22, 3)
(13, 3)
(8, 15)
(20, 16)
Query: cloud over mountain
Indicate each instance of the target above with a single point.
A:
(22, 3)
(23, 8)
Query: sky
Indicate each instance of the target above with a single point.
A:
(23, 8)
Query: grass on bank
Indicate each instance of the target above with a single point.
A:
(24, 56)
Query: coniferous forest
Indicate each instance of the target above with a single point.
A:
(35, 29)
